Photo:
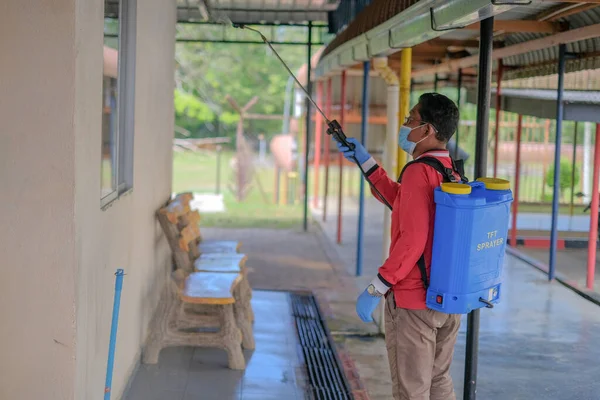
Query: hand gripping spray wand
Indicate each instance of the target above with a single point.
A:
(333, 127)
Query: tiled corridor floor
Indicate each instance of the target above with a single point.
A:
(272, 371)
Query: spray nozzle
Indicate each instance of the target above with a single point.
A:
(335, 129)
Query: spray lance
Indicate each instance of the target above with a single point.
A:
(334, 128)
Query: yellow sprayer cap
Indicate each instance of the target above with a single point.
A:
(495, 183)
(456, 188)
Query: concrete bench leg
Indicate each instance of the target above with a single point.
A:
(245, 326)
(246, 299)
(231, 338)
(165, 331)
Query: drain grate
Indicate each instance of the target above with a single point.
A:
(325, 378)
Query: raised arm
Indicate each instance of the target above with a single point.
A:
(376, 174)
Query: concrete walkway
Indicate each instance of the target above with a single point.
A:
(537, 344)
(572, 263)
(278, 261)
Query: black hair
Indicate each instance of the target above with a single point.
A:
(441, 112)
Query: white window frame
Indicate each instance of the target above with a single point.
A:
(124, 140)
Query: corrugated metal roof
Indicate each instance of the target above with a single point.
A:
(569, 96)
(588, 79)
(372, 15)
(525, 12)
(535, 63)
(255, 11)
(421, 21)
(589, 46)
(544, 62)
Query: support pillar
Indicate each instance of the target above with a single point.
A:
(556, 185)
(459, 87)
(486, 32)
(341, 158)
(591, 267)
(318, 138)
(308, 116)
(587, 158)
(515, 210)
(327, 153)
(498, 113)
(405, 72)
(573, 166)
(363, 140)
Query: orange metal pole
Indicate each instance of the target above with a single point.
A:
(341, 158)
(327, 154)
(515, 210)
(591, 267)
(318, 134)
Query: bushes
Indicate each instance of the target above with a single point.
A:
(566, 178)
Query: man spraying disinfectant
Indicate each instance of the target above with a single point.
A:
(422, 316)
(433, 277)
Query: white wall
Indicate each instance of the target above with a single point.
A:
(58, 249)
(126, 235)
(37, 249)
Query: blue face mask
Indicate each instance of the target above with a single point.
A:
(403, 141)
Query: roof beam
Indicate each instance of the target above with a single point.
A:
(564, 11)
(514, 26)
(573, 35)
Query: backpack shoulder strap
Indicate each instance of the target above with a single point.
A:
(447, 173)
(459, 167)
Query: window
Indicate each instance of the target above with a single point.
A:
(118, 87)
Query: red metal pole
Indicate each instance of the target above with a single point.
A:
(318, 134)
(594, 215)
(341, 157)
(498, 112)
(327, 154)
(515, 210)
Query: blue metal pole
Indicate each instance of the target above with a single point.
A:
(556, 191)
(113, 333)
(361, 194)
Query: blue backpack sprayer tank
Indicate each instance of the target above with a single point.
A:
(469, 242)
(470, 230)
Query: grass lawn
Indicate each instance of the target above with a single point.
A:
(197, 173)
(547, 209)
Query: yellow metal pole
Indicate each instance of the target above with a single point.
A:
(405, 72)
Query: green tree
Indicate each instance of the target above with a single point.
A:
(566, 179)
(208, 72)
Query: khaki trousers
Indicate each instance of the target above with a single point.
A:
(420, 346)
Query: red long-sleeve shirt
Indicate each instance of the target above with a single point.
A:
(413, 217)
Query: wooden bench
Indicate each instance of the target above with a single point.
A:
(212, 292)
(176, 324)
(217, 262)
(199, 251)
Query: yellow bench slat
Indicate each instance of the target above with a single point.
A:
(210, 288)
